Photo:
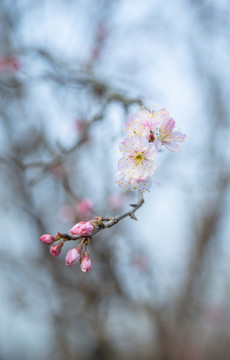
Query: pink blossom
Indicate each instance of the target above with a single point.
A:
(156, 126)
(84, 208)
(11, 63)
(168, 137)
(96, 53)
(67, 213)
(86, 264)
(139, 124)
(82, 228)
(102, 32)
(73, 256)
(144, 122)
(82, 128)
(146, 133)
(115, 201)
(141, 262)
(101, 35)
(80, 125)
(137, 165)
(47, 239)
(55, 250)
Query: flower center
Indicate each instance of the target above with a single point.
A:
(139, 158)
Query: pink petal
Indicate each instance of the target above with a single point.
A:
(173, 146)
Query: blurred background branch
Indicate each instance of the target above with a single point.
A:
(70, 75)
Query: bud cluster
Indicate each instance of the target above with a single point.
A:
(82, 229)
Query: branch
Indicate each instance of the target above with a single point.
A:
(109, 222)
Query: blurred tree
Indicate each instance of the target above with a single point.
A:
(70, 74)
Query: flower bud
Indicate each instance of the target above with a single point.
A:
(47, 239)
(115, 201)
(86, 264)
(82, 228)
(67, 213)
(84, 208)
(73, 256)
(55, 250)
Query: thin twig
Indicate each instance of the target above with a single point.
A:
(109, 222)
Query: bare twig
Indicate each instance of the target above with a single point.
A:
(109, 222)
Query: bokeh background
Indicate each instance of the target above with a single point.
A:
(71, 72)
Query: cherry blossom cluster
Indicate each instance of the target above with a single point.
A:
(82, 230)
(147, 132)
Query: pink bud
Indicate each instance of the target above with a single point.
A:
(82, 228)
(141, 262)
(73, 256)
(115, 201)
(55, 250)
(67, 213)
(80, 125)
(86, 264)
(102, 32)
(96, 52)
(14, 63)
(76, 229)
(11, 63)
(84, 208)
(47, 239)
